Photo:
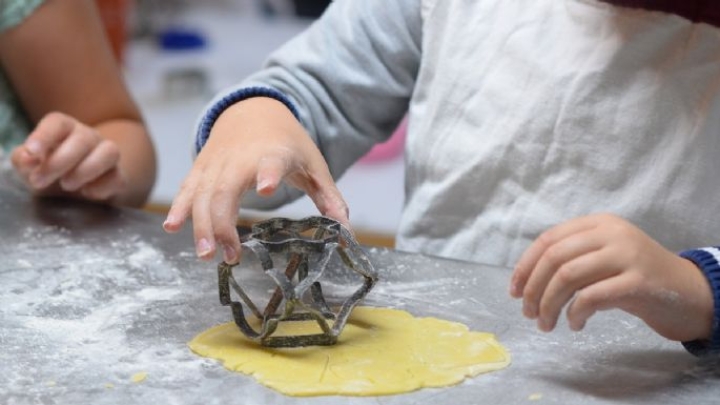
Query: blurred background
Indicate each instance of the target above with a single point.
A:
(176, 54)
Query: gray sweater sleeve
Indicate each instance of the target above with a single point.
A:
(350, 75)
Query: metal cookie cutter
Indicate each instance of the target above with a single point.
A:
(307, 245)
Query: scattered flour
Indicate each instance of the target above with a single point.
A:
(71, 314)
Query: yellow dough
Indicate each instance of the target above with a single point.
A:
(381, 351)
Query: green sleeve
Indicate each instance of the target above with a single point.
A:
(14, 12)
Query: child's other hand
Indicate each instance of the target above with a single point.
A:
(62, 156)
(600, 262)
(256, 143)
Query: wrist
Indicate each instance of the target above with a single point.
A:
(214, 112)
(707, 260)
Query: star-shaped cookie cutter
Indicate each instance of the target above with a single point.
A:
(308, 245)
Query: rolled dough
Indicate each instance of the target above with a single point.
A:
(381, 351)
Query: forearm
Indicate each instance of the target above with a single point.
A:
(56, 61)
(137, 159)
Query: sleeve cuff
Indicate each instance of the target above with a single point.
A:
(212, 114)
(707, 260)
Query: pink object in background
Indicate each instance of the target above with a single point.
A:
(389, 149)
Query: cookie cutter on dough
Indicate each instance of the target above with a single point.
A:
(307, 245)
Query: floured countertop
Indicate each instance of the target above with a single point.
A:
(97, 305)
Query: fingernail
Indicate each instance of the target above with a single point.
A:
(544, 325)
(203, 247)
(33, 147)
(513, 289)
(69, 186)
(38, 180)
(88, 193)
(577, 327)
(530, 311)
(169, 221)
(229, 254)
(263, 184)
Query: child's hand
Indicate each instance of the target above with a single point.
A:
(62, 156)
(256, 143)
(600, 262)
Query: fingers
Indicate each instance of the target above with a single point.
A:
(331, 204)
(311, 175)
(575, 275)
(594, 262)
(529, 259)
(49, 133)
(329, 200)
(104, 187)
(180, 207)
(23, 162)
(223, 209)
(205, 246)
(605, 294)
(68, 155)
(555, 264)
(211, 195)
(233, 160)
(28, 157)
(95, 167)
(59, 147)
(320, 187)
(213, 204)
(62, 150)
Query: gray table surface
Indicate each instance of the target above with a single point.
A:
(91, 295)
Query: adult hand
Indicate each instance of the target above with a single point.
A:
(600, 262)
(258, 144)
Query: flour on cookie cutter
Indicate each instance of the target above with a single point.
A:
(307, 245)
